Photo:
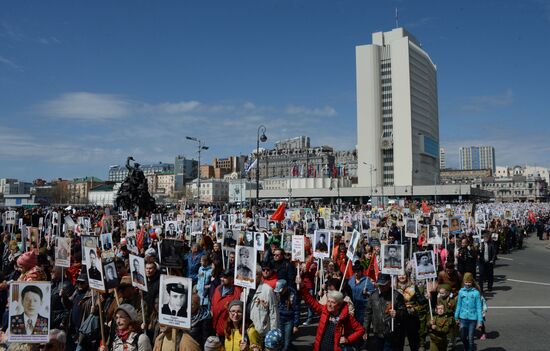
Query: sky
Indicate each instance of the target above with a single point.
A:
(84, 84)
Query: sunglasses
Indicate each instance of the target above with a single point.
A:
(266, 270)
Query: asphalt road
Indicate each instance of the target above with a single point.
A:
(519, 305)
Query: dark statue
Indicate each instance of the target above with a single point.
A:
(134, 191)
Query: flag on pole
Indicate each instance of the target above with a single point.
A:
(279, 215)
(252, 165)
(373, 270)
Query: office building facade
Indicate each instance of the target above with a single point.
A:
(119, 173)
(397, 112)
(477, 157)
(185, 170)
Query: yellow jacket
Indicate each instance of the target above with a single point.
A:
(232, 342)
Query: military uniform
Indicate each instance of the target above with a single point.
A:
(17, 325)
(450, 306)
(438, 333)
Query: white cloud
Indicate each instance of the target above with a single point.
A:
(49, 40)
(9, 63)
(482, 103)
(326, 111)
(87, 106)
(179, 107)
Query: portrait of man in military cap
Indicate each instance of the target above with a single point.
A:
(175, 301)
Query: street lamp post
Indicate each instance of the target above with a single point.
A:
(371, 169)
(263, 139)
(201, 147)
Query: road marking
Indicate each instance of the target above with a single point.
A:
(506, 258)
(519, 307)
(528, 282)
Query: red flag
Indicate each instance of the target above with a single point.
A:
(279, 215)
(425, 207)
(139, 238)
(531, 217)
(373, 270)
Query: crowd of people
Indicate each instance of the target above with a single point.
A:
(371, 278)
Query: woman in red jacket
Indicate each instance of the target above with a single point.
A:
(337, 328)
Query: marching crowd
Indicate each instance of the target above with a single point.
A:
(355, 305)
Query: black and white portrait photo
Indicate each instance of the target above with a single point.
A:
(137, 272)
(171, 229)
(411, 228)
(131, 244)
(259, 241)
(95, 270)
(245, 266)
(175, 301)
(424, 263)
(106, 242)
(247, 239)
(321, 239)
(393, 259)
(29, 312)
(229, 241)
(170, 253)
(435, 235)
(354, 241)
(111, 276)
(87, 241)
(131, 228)
(63, 252)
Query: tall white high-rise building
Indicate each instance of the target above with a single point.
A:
(441, 158)
(477, 157)
(397, 112)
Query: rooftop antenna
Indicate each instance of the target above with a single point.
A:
(396, 17)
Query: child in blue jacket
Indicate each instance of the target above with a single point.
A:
(468, 311)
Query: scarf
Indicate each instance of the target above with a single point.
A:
(123, 334)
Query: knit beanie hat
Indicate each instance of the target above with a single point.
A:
(235, 303)
(27, 260)
(212, 344)
(468, 277)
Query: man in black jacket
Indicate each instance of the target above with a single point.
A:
(487, 258)
(379, 315)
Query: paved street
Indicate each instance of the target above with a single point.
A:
(519, 306)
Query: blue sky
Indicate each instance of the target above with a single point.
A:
(83, 84)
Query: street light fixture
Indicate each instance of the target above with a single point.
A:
(371, 169)
(201, 147)
(263, 139)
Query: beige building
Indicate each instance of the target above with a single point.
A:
(211, 190)
(161, 184)
(80, 187)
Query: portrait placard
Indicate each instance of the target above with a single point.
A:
(170, 253)
(62, 252)
(393, 259)
(87, 241)
(171, 229)
(298, 248)
(411, 225)
(434, 234)
(245, 266)
(111, 276)
(354, 241)
(94, 269)
(425, 265)
(321, 238)
(259, 241)
(29, 312)
(137, 272)
(131, 228)
(175, 301)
